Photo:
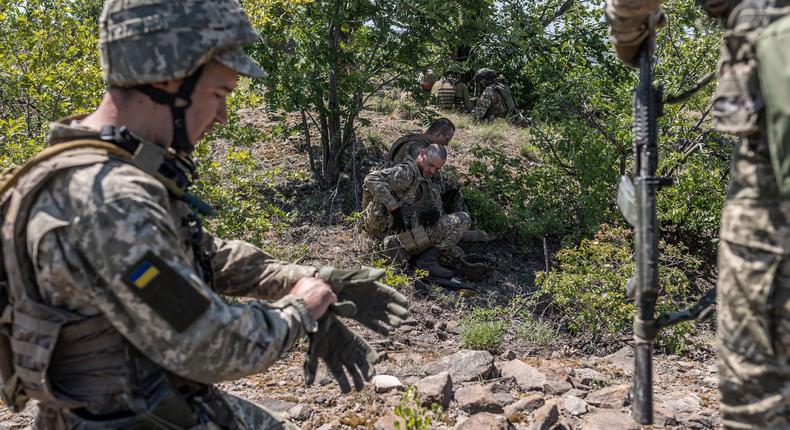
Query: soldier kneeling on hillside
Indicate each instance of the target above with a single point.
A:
(403, 208)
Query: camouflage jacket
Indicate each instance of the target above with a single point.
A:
(490, 104)
(90, 228)
(403, 184)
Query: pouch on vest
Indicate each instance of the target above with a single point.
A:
(773, 58)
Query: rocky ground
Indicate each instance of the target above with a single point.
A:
(518, 386)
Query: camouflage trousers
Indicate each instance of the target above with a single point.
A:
(754, 335)
(237, 414)
(444, 235)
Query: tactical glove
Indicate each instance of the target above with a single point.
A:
(398, 222)
(430, 216)
(343, 351)
(376, 303)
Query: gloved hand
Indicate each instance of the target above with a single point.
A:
(376, 303)
(629, 25)
(343, 351)
(398, 222)
(430, 216)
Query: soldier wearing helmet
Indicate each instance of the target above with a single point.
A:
(495, 101)
(114, 286)
(450, 93)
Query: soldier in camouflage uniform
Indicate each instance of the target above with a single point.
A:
(115, 313)
(452, 94)
(496, 100)
(754, 270)
(406, 207)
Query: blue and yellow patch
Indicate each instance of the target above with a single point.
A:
(171, 296)
(143, 274)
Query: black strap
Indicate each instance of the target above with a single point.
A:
(180, 140)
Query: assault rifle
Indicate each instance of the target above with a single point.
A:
(637, 201)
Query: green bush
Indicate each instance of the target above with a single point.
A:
(415, 417)
(483, 330)
(489, 215)
(589, 286)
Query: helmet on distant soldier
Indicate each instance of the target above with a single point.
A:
(485, 76)
(453, 71)
(147, 41)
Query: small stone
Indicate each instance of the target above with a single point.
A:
(435, 389)
(276, 405)
(504, 398)
(300, 412)
(528, 378)
(623, 359)
(327, 426)
(464, 366)
(453, 327)
(385, 383)
(590, 377)
(576, 392)
(387, 422)
(476, 398)
(574, 405)
(525, 405)
(429, 323)
(484, 420)
(607, 419)
(613, 397)
(683, 402)
(545, 416)
(508, 355)
(325, 381)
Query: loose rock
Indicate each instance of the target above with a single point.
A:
(387, 422)
(476, 398)
(435, 389)
(575, 406)
(613, 397)
(385, 383)
(485, 420)
(545, 416)
(607, 420)
(464, 366)
(525, 405)
(528, 378)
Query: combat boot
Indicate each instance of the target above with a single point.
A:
(429, 260)
(472, 267)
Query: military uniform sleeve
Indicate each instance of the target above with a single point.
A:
(629, 25)
(133, 268)
(242, 269)
(386, 185)
(463, 91)
(484, 102)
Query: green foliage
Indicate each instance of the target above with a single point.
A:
(589, 286)
(49, 69)
(490, 215)
(396, 277)
(483, 329)
(416, 417)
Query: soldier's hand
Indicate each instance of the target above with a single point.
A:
(343, 351)
(376, 303)
(317, 295)
(630, 22)
(398, 222)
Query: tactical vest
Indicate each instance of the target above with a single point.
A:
(445, 95)
(738, 105)
(507, 97)
(65, 360)
(398, 149)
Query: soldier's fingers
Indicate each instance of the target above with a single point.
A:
(375, 326)
(397, 310)
(364, 363)
(356, 376)
(337, 371)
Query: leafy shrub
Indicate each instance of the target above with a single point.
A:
(482, 330)
(489, 215)
(589, 286)
(415, 417)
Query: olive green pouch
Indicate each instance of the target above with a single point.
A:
(773, 58)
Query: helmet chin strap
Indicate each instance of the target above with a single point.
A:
(180, 140)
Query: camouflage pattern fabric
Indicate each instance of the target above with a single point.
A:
(754, 277)
(404, 184)
(89, 225)
(452, 95)
(754, 335)
(143, 41)
(490, 105)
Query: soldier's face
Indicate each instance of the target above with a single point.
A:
(209, 100)
(429, 164)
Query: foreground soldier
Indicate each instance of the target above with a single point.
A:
(116, 319)
(407, 208)
(754, 270)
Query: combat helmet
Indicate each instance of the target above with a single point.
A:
(146, 41)
(485, 76)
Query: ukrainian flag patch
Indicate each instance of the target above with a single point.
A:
(174, 298)
(143, 274)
